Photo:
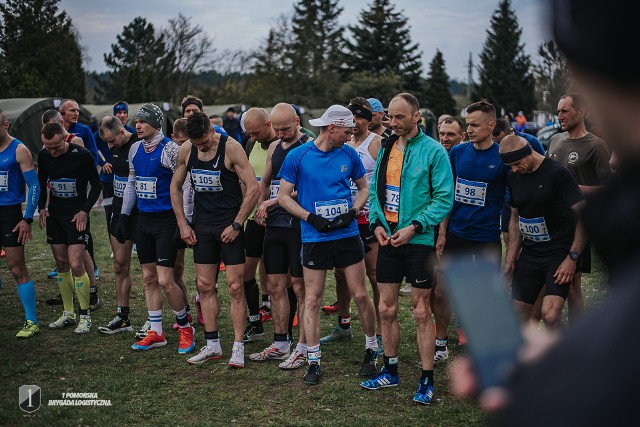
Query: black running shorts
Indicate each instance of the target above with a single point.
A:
(209, 248)
(282, 247)
(415, 262)
(155, 238)
(61, 231)
(339, 253)
(254, 239)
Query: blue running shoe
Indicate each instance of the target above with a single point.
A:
(53, 274)
(383, 379)
(424, 395)
(96, 272)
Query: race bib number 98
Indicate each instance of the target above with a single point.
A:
(274, 189)
(119, 184)
(330, 209)
(146, 187)
(392, 198)
(4, 180)
(63, 187)
(470, 192)
(534, 229)
(206, 180)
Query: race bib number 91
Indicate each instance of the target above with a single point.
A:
(4, 180)
(119, 184)
(63, 188)
(330, 209)
(206, 180)
(470, 192)
(534, 229)
(146, 187)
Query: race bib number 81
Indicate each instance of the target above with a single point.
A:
(146, 187)
(4, 180)
(206, 180)
(470, 192)
(534, 229)
(330, 209)
(63, 187)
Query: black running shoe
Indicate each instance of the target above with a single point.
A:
(118, 324)
(312, 377)
(369, 364)
(253, 330)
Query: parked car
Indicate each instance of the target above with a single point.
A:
(545, 134)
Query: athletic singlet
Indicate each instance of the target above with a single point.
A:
(12, 184)
(392, 190)
(278, 216)
(153, 178)
(218, 194)
(120, 167)
(369, 164)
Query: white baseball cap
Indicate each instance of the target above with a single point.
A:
(335, 115)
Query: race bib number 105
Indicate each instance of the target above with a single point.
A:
(206, 180)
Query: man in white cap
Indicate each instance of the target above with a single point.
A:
(330, 237)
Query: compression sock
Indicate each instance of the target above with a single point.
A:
(82, 292)
(66, 285)
(252, 295)
(27, 293)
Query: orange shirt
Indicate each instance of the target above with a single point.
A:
(392, 190)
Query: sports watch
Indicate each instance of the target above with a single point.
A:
(574, 255)
(236, 226)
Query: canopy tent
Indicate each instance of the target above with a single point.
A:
(25, 116)
(171, 113)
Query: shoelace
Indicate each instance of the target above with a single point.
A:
(185, 337)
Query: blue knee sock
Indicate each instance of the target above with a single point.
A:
(27, 293)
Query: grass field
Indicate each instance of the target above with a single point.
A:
(158, 387)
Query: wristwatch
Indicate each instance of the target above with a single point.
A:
(236, 226)
(417, 226)
(28, 220)
(574, 255)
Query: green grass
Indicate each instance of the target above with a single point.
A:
(159, 388)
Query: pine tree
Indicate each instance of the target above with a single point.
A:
(381, 44)
(437, 94)
(39, 51)
(552, 75)
(505, 76)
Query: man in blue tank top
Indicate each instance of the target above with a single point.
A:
(217, 166)
(16, 171)
(320, 172)
(152, 161)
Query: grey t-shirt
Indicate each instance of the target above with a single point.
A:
(587, 157)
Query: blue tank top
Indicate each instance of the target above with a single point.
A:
(12, 184)
(153, 180)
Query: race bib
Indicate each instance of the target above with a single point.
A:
(119, 184)
(4, 180)
(206, 180)
(330, 209)
(146, 187)
(274, 189)
(353, 187)
(534, 229)
(392, 198)
(63, 187)
(470, 192)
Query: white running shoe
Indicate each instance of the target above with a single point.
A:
(237, 357)
(206, 353)
(144, 330)
(296, 360)
(270, 353)
(84, 325)
(65, 320)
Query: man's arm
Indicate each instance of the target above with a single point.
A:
(363, 193)
(240, 163)
(177, 197)
(565, 272)
(441, 181)
(515, 241)
(94, 182)
(286, 200)
(265, 201)
(24, 159)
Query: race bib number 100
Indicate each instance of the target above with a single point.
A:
(206, 180)
(534, 229)
(4, 180)
(63, 187)
(146, 187)
(470, 192)
(330, 209)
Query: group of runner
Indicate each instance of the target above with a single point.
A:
(370, 196)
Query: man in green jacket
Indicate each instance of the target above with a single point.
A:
(411, 193)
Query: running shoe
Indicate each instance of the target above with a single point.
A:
(383, 379)
(338, 334)
(84, 325)
(118, 324)
(296, 360)
(3, 253)
(405, 291)
(65, 320)
(441, 354)
(295, 320)
(269, 353)
(151, 340)
(57, 300)
(189, 319)
(144, 330)
(94, 301)
(424, 395)
(265, 313)
(312, 377)
(206, 353)
(186, 343)
(96, 272)
(53, 274)
(252, 331)
(237, 357)
(28, 330)
(462, 339)
(199, 308)
(331, 309)
(221, 266)
(368, 367)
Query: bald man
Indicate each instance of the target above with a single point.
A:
(284, 242)
(257, 125)
(545, 228)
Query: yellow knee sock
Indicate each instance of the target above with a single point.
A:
(65, 284)
(82, 290)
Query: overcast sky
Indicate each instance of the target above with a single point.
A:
(456, 27)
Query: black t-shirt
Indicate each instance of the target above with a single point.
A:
(544, 199)
(120, 166)
(68, 176)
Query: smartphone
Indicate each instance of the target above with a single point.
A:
(481, 302)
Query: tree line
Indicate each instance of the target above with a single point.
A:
(307, 58)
